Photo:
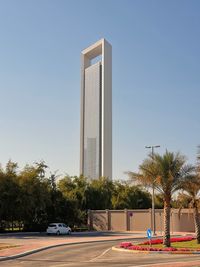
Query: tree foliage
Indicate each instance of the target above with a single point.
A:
(130, 197)
(33, 199)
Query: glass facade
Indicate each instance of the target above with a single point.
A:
(92, 121)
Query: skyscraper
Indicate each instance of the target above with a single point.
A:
(96, 111)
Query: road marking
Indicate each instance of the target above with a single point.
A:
(103, 253)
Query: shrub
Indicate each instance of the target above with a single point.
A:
(169, 249)
(129, 245)
(125, 244)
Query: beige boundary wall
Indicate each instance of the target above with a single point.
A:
(139, 220)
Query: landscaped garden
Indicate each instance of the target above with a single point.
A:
(178, 245)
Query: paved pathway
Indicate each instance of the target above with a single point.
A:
(29, 242)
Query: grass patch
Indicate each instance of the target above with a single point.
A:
(3, 246)
(187, 244)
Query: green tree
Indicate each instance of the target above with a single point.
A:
(159, 201)
(34, 197)
(99, 194)
(55, 196)
(74, 191)
(181, 201)
(191, 186)
(9, 193)
(127, 196)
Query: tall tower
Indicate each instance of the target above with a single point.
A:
(96, 111)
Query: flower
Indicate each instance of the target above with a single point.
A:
(125, 244)
(129, 245)
(173, 239)
(169, 249)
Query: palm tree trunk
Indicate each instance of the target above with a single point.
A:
(166, 236)
(196, 222)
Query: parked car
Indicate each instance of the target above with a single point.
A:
(58, 229)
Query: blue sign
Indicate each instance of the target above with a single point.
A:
(149, 233)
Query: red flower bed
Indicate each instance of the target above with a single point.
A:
(125, 244)
(173, 239)
(153, 242)
(129, 245)
(135, 247)
(169, 249)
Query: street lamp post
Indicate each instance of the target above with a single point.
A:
(153, 194)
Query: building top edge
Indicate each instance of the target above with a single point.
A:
(96, 45)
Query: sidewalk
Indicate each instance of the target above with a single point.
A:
(27, 243)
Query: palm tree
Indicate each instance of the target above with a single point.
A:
(198, 161)
(191, 186)
(164, 173)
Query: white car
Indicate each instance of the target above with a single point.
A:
(58, 229)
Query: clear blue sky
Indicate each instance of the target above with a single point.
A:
(156, 78)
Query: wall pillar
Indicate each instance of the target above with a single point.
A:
(90, 220)
(108, 219)
(126, 221)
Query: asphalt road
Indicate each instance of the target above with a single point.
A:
(95, 255)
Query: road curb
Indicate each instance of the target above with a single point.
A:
(20, 233)
(59, 245)
(154, 252)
